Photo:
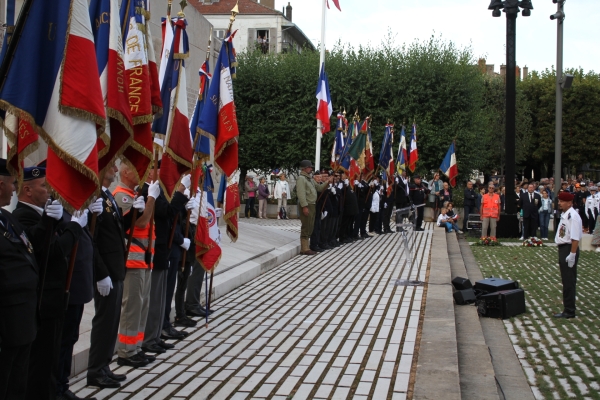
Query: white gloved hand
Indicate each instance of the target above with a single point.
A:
(356, 182)
(54, 210)
(194, 216)
(154, 189)
(104, 286)
(186, 244)
(187, 181)
(139, 203)
(340, 185)
(96, 206)
(193, 203)
(372, 183)
(397, 180)
(347, 182)
(332, 189)
(323, 214)
(219, 212)
(186, 192)
(384, 205)
(571, 259)
(81, 217)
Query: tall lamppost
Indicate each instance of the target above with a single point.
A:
(512, 9)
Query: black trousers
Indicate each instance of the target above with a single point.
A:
(194, 286)
(347, 226)
(14, 366)
(326, 225)
(592, 214)
(374, 222)
(334, 229)
(174, 264)
(364, 218)
(70, 336)
(357, 224)
(468, 211)
(105, 327)
(315, 237)
(182, 282)
(530, 225)
(420, 212)
(568, 277)
(43, 360)
(386, 217)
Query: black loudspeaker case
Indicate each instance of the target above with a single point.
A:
(491, 285)
(461, 283)
(503, 304)
(466, 296)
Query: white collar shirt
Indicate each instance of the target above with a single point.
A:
(569, 227)
(40, 210)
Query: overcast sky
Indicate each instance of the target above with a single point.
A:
(465, 22)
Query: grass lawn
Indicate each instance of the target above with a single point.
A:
(561, 358)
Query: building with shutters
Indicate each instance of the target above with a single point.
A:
(258, 24)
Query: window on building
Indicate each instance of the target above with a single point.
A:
(262, 38)
(220, 33)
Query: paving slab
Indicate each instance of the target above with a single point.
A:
(345, 335)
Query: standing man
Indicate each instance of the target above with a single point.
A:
(418, 191)
(567, 238)
(401, 192)
(530, 203)
(307, 188)
(18, 289)
(469, 203)
(45, 349)
(490, 211)
(109, 273)
(282, 193)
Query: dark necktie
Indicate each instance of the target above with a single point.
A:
(531, 197)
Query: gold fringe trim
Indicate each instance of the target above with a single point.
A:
(175, 157)
(106, 139)
(144, 152)
(225, 146)
(142, 119)
(117, 155)
(230, 226)
(143, 12)
(157, 111)
(181, 56)
(214, 266)
(114, 114)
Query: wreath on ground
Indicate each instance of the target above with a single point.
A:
(488, 241)
(533, 242)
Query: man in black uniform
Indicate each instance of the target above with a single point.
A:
(530, 203)
(418, 191)
(350, 212)
(18, 290)
(470, 200)
(109, 273)
(401, 192)
(45, 349)
(388, 205)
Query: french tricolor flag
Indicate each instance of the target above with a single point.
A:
(449, 167)
(324, 107)
(202, 142)
(104, 15)
(402, 158)
(53, 84)
(208, 236)
(414, 153)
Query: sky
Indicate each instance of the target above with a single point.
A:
(464, 22)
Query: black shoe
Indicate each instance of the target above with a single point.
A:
(419, 229)
(185, 322)
(365, 236)
(171, 334)
(103, 382)
(347, 240)
(134, 361)
(325, 246)
(148, 357)
(68, 395)
(334, 244)
(116, 377)
(388, 231)
(153, 348)
(316, 248)
(182, 332)
(564, 315)
(165, 345)
(195, 312)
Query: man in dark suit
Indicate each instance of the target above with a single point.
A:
(109, 272)
(418, 193)
(18, 290)
(530, 202)
(45, 349)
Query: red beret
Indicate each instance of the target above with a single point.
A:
(565, 196)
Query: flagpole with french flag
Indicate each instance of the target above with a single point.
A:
(448, 166)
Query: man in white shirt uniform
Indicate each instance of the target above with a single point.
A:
(567, 238)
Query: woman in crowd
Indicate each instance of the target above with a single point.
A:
(282, 193)
(250, 188)
(436, 186)
(263, 195)
(545, 212)
(446, 193)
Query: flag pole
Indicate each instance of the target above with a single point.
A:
(321, 65)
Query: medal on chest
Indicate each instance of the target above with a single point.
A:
(562, 231)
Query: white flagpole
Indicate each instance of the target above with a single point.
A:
(321, 63)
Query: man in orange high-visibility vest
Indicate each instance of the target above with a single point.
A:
(490, 211)
(136, 286)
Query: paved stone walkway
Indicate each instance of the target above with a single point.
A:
(332, 326)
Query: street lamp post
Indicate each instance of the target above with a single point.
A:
(511, 8)
(559, 17)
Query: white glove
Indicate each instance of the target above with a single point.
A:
(571, 259)
(81, 217)
(139, 203)
(219, 212)
(372, 183)
(104, 286)
(154, 189)
(193, 203)
(340, 185)
(186, 192)
(384, 205)
(96, 206)
(397, 180)
(194, 217)
(186, 181)
(332, 189)
(323, 214)
(347, 182)
(186, 244)
(54, 210)
(356, 182)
